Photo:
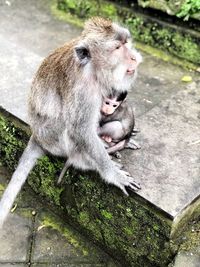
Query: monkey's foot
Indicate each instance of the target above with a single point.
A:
(132, 144)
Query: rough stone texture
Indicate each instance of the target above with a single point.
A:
(189, 250)
(186, 259)
(22, 52)
(169, 159)
(15, 238)
(15, 85)
(50, 247)
(41, 239)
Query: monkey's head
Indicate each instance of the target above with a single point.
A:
(106, 49)
(112, 102)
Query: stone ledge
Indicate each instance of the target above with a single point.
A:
(131, 229)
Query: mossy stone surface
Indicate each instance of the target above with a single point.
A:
(128, 228)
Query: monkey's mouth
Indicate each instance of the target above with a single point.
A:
(130, 71)
(105, 114)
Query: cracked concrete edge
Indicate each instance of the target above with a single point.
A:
(189, 213)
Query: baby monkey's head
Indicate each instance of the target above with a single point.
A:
(112, 102)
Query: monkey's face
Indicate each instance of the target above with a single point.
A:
(109, 106)
(125, 61)
(106, 48)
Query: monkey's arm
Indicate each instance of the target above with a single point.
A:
(96, 157)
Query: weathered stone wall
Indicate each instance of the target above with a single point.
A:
(129, 228)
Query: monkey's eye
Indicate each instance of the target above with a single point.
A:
(118, 47)
(114, 106)
(107, 103)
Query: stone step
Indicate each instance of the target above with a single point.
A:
(33, 235)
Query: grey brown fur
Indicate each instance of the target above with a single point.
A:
(65, 102)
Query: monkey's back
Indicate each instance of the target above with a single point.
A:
(48, 95)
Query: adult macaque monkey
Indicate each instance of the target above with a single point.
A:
(117, 123)
(65, 102)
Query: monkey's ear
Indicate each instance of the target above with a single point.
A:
(83, 54)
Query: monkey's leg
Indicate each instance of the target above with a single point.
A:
(117, 147)
(132, 144)
(66, 166)
(113, 129)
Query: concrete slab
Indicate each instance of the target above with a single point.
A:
(17, 69)
(56, 243)
(30, 25)
(186, 259)
(14, 239)
(166, 109)
(168, 164)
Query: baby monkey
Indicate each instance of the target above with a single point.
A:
(116, 126)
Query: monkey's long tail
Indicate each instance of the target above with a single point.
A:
(27, 161)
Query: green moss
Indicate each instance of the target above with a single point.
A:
(48, 172)
(166, 56)
(125, 223)
(2, 187)
(106, 214)
(68, 17)
(50, 221)
(182, 9)
(26, 213)
(188, 9)
(168, 39)
(190, 238)
(84, 218)
(87, 9)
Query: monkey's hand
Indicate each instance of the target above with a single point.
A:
(106, 138)
(124, 181)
